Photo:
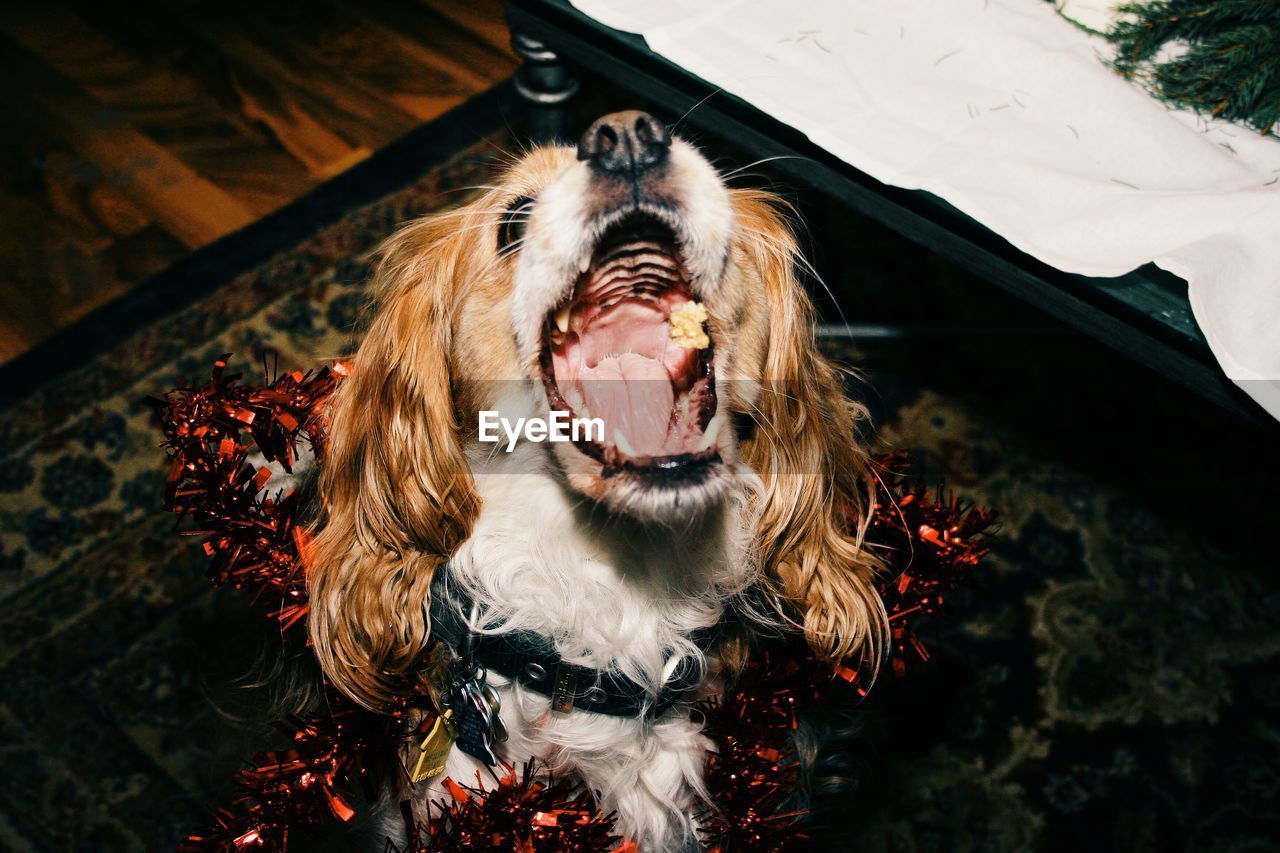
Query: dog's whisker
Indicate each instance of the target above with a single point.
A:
(493, 143)
(734, 172)
(803, 262)
(466, 212)
(688, 112)
(806, 265)
(743, 176)
(474, 187)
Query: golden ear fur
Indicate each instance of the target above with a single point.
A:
(818, 486)
(398, 494)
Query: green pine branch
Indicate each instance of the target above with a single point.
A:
(1224, 57)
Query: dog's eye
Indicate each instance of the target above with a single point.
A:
(511, 228)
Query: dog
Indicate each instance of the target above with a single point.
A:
(613, 579)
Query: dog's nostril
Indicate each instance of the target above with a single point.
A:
(606, 139)
(629, 141)
(650, 131)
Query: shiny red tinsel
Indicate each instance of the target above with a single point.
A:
(933, 543)
(754, 773)
(256, 543)
(331, 755)
(519, 809)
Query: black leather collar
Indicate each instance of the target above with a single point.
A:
(531, 660)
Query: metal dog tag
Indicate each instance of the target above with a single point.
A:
(475, 729)
(497, 729)
(435, 747)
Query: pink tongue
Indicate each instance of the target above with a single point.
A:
(633, 394)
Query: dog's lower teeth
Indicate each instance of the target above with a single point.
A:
(620, 442)
(709, 437)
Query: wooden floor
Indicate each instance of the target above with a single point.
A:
(134, 133)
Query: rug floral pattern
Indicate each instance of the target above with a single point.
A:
(1113, 683)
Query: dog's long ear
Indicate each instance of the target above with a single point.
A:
(818, 487)
(398, 496)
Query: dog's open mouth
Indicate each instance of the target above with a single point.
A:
(630, 347)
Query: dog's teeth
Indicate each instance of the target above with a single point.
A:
(620, 442)
(562, 317)
(584, 264)
(709, 437)
(579, 406)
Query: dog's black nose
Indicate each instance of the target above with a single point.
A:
(629, 141)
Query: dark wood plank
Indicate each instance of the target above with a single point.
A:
(477, 19)
(419, 80)
(68, 241)
(186, 204)
(226, 147)
(134, 132)
(251, 82)
(203, 271)
(458, 50)
(438, 69)
(337, 101)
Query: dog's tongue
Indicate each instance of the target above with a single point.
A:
(631, 393)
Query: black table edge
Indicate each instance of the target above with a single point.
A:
(1145, 314)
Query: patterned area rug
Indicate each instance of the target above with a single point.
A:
(1113, 683)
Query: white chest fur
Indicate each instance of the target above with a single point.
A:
(609, 592)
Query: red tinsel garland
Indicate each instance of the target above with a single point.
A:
(754, 770)
(256, 543)
(934, 542)
(309, 782)
(521, 810)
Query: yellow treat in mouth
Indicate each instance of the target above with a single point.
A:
(686, 326)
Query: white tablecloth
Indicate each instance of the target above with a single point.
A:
(1005, 110)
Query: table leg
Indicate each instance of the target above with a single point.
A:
(544, 84)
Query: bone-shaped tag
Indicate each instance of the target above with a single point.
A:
(434, 749)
